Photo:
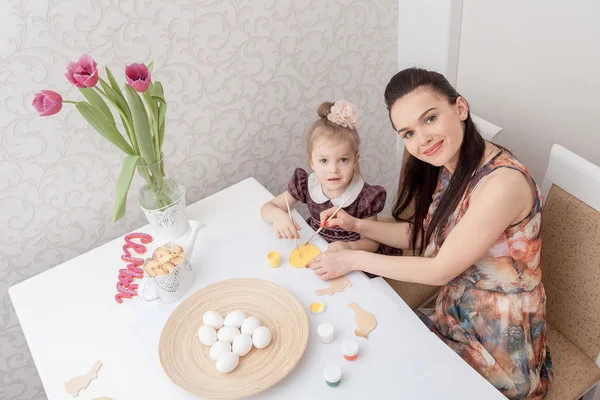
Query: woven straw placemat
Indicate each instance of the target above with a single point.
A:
(186, 360)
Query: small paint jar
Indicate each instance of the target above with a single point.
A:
(317, 307)
(326, 332)
(274, 259)
(333, 375)
(350, 350)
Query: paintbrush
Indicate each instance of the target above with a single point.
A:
(332, 215)
(291, 219)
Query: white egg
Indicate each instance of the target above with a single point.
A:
(212, 318)
(261, 337)
(219, 348)
(227, 362)
(228, 333)
(207, 335)
(235, 318)
(250, 324)
(242, 345)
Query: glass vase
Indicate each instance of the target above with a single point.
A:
(163, 202)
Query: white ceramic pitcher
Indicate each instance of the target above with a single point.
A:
(172, 287)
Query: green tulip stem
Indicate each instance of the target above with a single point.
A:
(126, 121)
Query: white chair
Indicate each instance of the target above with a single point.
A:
(573, 174)
(571, 273)
(488, 130)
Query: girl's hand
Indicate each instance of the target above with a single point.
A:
(285, 228)
(341, 219)
(333, 264)
(336, 246)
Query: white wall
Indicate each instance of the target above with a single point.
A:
(243, 80)
(533, 67)
(428, 35)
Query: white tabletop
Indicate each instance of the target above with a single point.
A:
(70, 319)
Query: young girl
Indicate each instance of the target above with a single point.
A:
(333, 156)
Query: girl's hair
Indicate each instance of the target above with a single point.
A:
(324, 128)
(419, 179)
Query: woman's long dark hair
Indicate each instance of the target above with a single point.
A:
(419, 179)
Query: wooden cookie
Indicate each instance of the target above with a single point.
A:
(335, 286)
(75, 385)
(364, 320)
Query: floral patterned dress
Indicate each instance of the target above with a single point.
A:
(494, 314)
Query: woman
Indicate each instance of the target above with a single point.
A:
(474, 223)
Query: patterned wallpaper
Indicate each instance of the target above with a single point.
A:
(243, 80)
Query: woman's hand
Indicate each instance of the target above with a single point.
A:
(333, 263)
(341, 219)
(336, 246)
(285, 228)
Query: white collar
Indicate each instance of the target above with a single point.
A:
(315, 190)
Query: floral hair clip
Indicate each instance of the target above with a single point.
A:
(343, 113)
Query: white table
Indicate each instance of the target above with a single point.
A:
(70, 319)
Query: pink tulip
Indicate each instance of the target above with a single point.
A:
(47, 102)
(83, 73)
(138, 77)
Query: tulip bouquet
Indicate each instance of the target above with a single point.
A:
(141, 108)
